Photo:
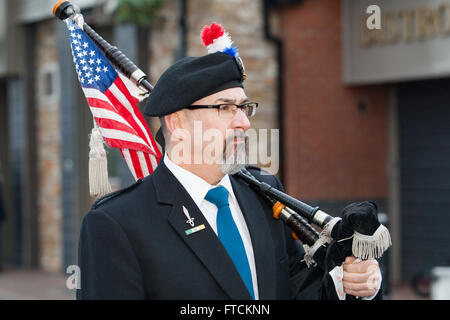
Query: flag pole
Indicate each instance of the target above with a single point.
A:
(65, 10)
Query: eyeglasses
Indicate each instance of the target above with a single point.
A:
(229, 110)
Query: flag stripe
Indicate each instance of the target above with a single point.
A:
(115, 93)
(102, 104)
(127, 157)
(137, 93)
(117, 143)
(129, 118)
(154, 161)
(92, 93)
(125, 136)
(136, 164)
(124, 111)
(116, 137)
(149, 162)
(107, 98)
(100, 101)
(144, 164)
(123, 89)
(111, 116)
(113, 125)
(136, 113)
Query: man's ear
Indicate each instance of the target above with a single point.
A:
(174, 125)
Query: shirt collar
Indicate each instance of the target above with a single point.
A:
(194, 185)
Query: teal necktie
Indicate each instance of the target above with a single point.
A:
(229, 235)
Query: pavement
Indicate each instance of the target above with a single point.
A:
(41, 285)
(404, 292)
(34, 285)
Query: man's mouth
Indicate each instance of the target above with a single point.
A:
(237, 137)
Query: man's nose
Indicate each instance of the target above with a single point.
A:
(240, 121)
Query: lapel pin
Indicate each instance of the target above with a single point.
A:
(189, 219)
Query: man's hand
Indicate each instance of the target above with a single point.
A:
(361, 279)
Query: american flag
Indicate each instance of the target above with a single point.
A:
(112, 105)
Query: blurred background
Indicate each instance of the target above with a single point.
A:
(363, 115)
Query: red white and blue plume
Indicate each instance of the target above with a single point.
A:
(216, 39)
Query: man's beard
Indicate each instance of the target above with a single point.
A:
(235, 155)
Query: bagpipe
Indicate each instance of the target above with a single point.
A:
(358, 232)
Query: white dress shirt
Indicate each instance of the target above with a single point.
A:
(197, 188)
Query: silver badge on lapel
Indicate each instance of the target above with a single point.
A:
(190, 221)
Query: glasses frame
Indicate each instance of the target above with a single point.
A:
(217, 106)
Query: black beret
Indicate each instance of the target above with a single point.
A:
(191, 79)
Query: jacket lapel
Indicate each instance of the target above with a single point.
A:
(263, 248)
(204, 244)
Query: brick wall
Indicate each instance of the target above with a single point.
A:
(243, 20)
(49, 151)
(333, 150)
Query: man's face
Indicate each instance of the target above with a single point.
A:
(222, 138)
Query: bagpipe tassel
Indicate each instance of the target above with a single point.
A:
(310, 251)
(324, 239)
(98, 165)
(371, 247)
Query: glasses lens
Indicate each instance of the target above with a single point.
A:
(227, 110)
(250, 109)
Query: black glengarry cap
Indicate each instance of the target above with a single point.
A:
(191, 79)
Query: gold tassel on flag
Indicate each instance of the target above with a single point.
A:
(98, 165)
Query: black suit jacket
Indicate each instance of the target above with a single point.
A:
(133, 245)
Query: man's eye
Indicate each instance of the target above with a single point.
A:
(227, 107)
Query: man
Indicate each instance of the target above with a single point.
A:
(193, 230)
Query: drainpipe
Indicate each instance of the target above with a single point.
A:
(181, 53)
(279, 49)
(267, 5)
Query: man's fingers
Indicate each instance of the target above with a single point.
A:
(360, 267)
(357, 286)
(360, 293)
(349, 259)
(362, 281)
(354, 286)
(356, 277)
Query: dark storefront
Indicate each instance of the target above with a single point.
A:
(424, 137)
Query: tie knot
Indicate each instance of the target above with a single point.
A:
(218, 196)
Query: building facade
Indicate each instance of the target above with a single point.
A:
(366, 117)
